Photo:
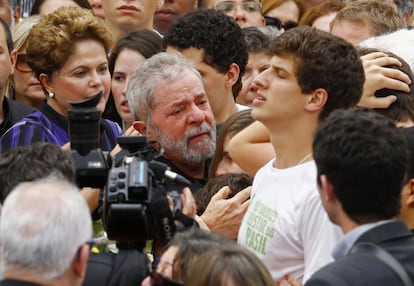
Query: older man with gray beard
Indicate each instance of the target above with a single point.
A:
(168, 100)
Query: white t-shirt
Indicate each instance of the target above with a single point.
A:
(286, 225)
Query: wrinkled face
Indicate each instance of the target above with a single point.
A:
(257, 63)
(353, 32)
(129, 15)
(6, 62)
(50, 6)
(126, 63)
(246, 13)
(84, 75)
(97, 8)
(214, 81)
(227, 165)
(182, 120)
(27, 87)
(279, 97)
(5, 12)
(170, 11)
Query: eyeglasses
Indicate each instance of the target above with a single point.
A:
(270, 21)
(21, 63)
(247, 6)
(158, 280)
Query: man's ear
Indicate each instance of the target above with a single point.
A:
(13, 60)
(410, 198)
(81, 261)
(317, 100)
(326, 189)
(141, 127)
(232, 75)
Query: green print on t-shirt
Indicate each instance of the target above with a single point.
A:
(258, 228)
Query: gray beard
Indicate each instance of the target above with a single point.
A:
(180, 150)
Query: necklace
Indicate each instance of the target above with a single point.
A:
(305, 158)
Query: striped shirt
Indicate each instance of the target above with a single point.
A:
(46, 125)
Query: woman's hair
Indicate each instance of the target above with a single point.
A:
(145, 42)
(37, 4)
(191, 244)
(325, 8)
(231, 263)
(51, 41)
(20, 32)
(271, 4)
(233, 125)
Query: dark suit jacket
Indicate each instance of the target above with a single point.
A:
(365, 270)
(9, 282)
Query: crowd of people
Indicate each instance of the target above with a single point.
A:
(272, 142)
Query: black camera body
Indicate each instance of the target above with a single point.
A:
(134, 203)
(91, 163)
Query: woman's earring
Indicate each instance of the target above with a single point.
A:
(51, 94)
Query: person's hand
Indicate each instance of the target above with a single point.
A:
(188, 202)
(91, 196)
(223, 215)
(129, 132)
(290, 280)
(379, 76)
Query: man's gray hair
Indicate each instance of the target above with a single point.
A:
(400, 42)
(42, 225)
(158, 70)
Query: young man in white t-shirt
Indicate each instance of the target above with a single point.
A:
(311, 73)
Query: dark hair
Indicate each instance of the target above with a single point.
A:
(364, 157)
(409, 137)
(236, 183)
(323, 61)
(145, 42)
(233, 125)
(8, 35)
(37, 4)
(217, 34)
(402, 109)
(29, 163)
(256, 40)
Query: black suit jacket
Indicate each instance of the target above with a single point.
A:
(365, 270)
(9, 282)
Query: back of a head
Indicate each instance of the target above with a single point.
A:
(363, 155)
(233, 265)
(402, 110)
(191, 244)
(217, 34)
(268, 5)
(42, 225)
(409, 137)
(29, 163)
(256, 40)
(323, 61)
(381, 16)
(21, 31)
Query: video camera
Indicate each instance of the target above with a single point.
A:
(135, 204)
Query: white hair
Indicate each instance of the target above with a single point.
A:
(42, 225)
(400, 42)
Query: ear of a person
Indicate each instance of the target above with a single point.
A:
(326, 189)
(410, 197)
(81, 261)
(232, 75)
(317, 100)
(141, 127)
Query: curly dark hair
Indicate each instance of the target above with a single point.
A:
(217, 34)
